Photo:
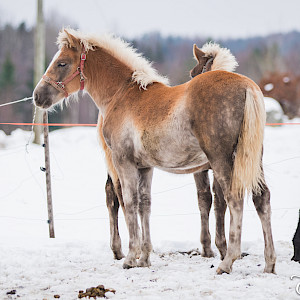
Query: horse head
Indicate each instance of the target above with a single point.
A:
(204, 62)
(212, 57)
(64, 76)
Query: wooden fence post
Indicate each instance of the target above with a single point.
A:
(48, 176)
(39, 64)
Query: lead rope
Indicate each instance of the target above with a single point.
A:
(17, 101)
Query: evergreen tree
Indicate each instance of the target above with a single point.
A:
(7, 74)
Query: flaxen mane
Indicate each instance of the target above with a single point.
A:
(223, 59)
(143, 72)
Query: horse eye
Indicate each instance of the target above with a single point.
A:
(62, 64)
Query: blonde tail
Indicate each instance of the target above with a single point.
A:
(247, 169)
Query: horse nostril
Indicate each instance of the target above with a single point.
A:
(36, 98)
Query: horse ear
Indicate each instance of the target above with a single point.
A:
(198, 54)
(72, 40)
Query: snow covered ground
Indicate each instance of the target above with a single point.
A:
(80, 257)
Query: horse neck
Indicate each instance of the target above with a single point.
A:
(106, 75)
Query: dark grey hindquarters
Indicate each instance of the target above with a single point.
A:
(204, 194)
(296, 242)
(217, 126)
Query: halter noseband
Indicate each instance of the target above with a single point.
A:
(61, 85)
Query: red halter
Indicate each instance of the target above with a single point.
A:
(61, 85)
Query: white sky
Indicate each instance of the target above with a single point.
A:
(214, 18)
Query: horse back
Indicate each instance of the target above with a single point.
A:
(206, 111)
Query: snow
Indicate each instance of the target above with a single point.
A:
(80, 257)
(272, 105)
(274, 111)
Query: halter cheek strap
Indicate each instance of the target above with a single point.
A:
(61, 85)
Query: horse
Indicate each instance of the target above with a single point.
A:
(296, 242)
(210, 57)
(215, 121)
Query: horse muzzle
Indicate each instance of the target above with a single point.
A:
(41, 102)
(45, 96)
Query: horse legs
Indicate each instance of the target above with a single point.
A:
(118, 191)
(234, 245)
(144, 195)
(112, 203)
(204, 203)
(263, 208)
(129, 178)
(220, 209)
(222, 172)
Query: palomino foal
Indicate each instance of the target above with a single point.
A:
(213, 121)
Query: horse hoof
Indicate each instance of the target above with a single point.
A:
(220, 271)
(207, 253)
(118, 255)
(244, 254)
(129, 264)
(126, 266)
(223, 268)
(143, 263)
(270, 269)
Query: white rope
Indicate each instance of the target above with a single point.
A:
(17, 101)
